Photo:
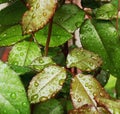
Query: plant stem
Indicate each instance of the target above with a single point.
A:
(117, 19)
(49, 36)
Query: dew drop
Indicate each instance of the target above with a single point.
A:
(21, 54)
(44, 14)
(36, 84)
(61, 82)
(101, 94)
(19, 48)
(79, 100)
(34, 97)
(86, 85)
(33, 16)
(43, 98)
(24, 104)
(37, 6)
(94, 94)
(88, 69)
(13, 95)
(41, 61)
(90, 86)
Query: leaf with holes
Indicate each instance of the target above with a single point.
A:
(23, 53)
(58, 36)
(70, 17)
(106, 12)
(38, 15)
(40, 63)
(11, 36)
(112, 106)
(102, 38)
(83, 90)
(13, 99)
(83, 59)
(46, 84)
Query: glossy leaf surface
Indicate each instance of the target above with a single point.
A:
(46, 84)
(70, 17)
(11, 36)
(83, 59)
(12, 14)
(58, 37)
(106, 12)
(83, 90)
(51, 106)
(13, 98)
(40, 63)
(111, 105)
(23, 53)
(102, 38)
(38, 15)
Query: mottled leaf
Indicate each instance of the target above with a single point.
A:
(83, 59)
(51, 106)
(46, 84)
(40, 63)
(112, 106)
(86, 109)
(12, 14)
(83, 90)
(13, 99)
(38, 15)
(102, 38)
(106, 12)
(23, 53)
(70, 17)
(58, 37)
(11, 35)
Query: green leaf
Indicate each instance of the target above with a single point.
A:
(46, 84)
(115, 3)
(103, 77)
(13, 98)
(51, 106)
(102, 38)
(106, 12)
(11, 35)
(23, 53)
(83, 90)
(70, 17)
(40, 63)
(112, 106)
(38, 15)
(83, 59)
(12, 14)
(58, 37)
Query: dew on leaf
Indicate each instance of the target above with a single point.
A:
(61, 82)
(33, 16)
(43, 98)
(37, 6)
(79, 100)
(44, 14)
(24, 104)
(36, 84)
(101, 94)
(13, 95)
(34, 97)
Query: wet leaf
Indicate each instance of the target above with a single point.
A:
(40, 63)
(23, 53)
(13, 99)
(51, 106)
(11, 35)
(83, 90)
(86, 109)
(58, 37)
(106, 12)
(102, 38)
(38, 15)
(12, 14)
(70, 17)
(111, 105)
(46, 84)
(83, 59)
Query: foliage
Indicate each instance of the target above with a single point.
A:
(48, 73)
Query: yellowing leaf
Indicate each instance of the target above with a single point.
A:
(83, 90)
(46, 84)
(38, 15)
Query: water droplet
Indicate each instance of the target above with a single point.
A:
(24, 104)
(101, 94)
(79, 100)
(41, 61)
(33, 16)
(36, 84)
(34, 97)
(19, 48)
(21, 54)
(61, 82)
(31, 8)
(94, 94)
(43, 98)
(13, 95)
(44, 14)
(88, 69)
(90, 86)
(86, 85)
